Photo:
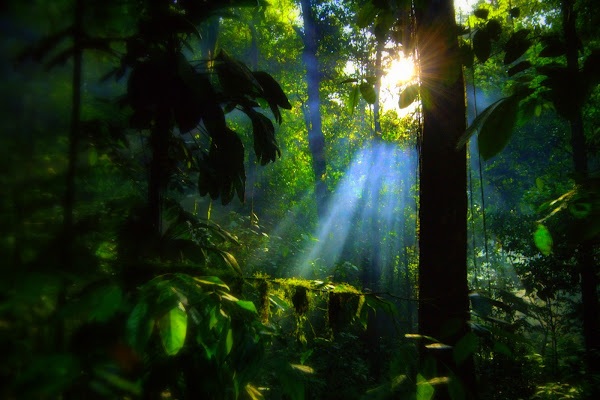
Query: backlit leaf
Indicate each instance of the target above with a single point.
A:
(482, 45)
(211, 280)
(543, 239)
(424, 389)
(304, 368)
(408, 95)
(139, 327)
(353, 99)
(368, 93)
(516, 46)
(366, 15)
(247, 305)
(497, 128)
(173, 328)
(481, 13)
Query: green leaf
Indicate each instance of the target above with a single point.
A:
(408, 95)
(92, 157)
(105, 303)
(477, 122)
(543, 239)
(466, 346)
(424, 388)
(353, 99)
(229, 341)
(516, 46)
(211, 280)
(368, 93)
(580, 209)
(247, 305)
(482, 45)
(515, 12)
(481, 13)
(501, 348)
(272, 90)
(139, 327)
(494, 29)
(539, 182)
(522, 66)
(173, 328)
(497, 128)
(366, 15)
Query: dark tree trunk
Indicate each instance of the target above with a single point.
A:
(159, 169)
(587, 267)
(69, 201)
(316, 140)
(443, 290)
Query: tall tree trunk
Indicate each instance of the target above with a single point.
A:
(378, 74)
(587, 267)
(316, 140)
(69, 201)
(443, 289)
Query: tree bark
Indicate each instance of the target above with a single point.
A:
(443, 290)
(316, 140)
(587, 267)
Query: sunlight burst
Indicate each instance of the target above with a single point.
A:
(400, 72)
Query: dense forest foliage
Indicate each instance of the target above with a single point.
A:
(300, 199)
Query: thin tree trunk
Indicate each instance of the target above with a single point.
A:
(69, 201)
(587, 267)
(316, 140)
(443, 289)
(378, 74)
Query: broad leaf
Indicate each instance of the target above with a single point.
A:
(139, 327)
(482, 45)
(515, 12)
(476, 124)
(516, 46)
(481, 13)
(272, 90)
(522, 66)
(368, 93)
(408, 95)
(366, 15)
(173, 328)
(465, 347)
(425, 389)
(543, 239)
(497, 128)
(247, 305)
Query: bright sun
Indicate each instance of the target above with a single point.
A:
(401, 71)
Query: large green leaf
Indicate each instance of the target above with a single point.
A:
(173, 328)
(247, 305)
(272, 90)
(367, 14)
(497, 128)
(543, 239)
(516, 46)
(466, 346)
(139, 327)
(425, 389)
(353, 99)
(481, 13)
(477, 122)
(482, 45)
(408, 95)
(368, 93)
